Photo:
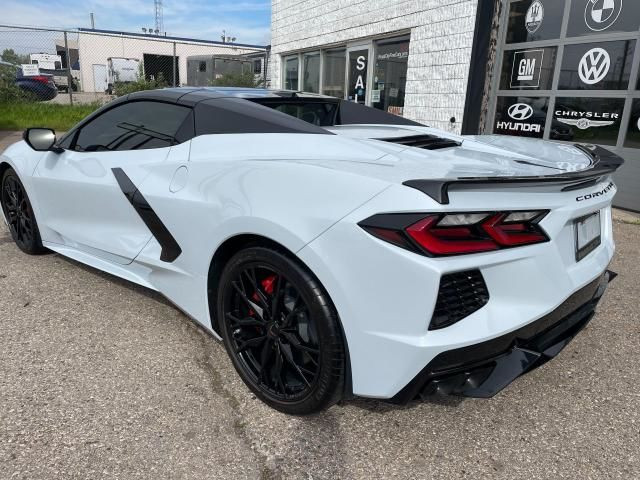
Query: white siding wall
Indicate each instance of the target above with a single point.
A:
(439, 53)
(96, 48)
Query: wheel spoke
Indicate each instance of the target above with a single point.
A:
(245, 322)
(277, 295)
(292, 314)
(265, 354)
(244, 297)
(251, 275)
(251, 343)
(296, 343)
(288, 355)
(277, 371)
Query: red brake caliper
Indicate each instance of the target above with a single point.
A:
(267, 286)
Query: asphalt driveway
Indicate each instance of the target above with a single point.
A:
(103, 379)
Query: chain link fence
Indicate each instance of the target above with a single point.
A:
(89, 65)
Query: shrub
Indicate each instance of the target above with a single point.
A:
(9, 91)
(141, 83)
(246, 79)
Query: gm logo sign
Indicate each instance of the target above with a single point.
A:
(520, 111)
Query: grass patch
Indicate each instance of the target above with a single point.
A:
(22, 115)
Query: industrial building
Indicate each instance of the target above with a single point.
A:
(158, 55)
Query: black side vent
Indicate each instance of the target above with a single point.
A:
(428, 142)
(460, 295)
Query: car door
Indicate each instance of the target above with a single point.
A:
(80, 191)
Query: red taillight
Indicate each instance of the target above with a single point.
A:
(512, 234)
(447, 240)
(458, 233)
(40, 78)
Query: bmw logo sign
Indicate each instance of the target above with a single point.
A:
(601, 14)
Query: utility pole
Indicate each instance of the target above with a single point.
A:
(173, 69)
(69, 77)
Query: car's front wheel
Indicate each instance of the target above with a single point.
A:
(19, 214)
(281, 331)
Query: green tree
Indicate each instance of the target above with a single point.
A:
(9, 55)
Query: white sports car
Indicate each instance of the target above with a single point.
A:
(336, 249)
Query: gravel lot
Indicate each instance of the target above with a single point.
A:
(102, 379)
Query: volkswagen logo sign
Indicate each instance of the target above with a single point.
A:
(594, 66)
(520, 111)
(601, 14)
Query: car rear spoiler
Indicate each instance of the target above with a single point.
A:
(603, 162)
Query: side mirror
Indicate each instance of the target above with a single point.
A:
(40, 139)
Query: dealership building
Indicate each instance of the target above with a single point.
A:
(565, 70)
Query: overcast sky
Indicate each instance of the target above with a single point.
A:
(248, 21)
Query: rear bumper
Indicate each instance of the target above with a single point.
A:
(484, 369)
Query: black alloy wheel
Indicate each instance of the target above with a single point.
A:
(281, 331)
(19, 215)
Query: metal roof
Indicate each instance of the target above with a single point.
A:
(163, 37)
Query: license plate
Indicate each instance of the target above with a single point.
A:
(588, 234)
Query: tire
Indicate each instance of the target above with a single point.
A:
(19, 214)
(290, 352)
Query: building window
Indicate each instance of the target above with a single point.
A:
(311, 72)
(334, 73)
(257, 66)
(202, 67)
(633, 132)
(390, 75)
(291, 68)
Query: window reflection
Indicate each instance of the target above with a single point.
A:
(390, 75)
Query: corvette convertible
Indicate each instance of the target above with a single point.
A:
(337, 250)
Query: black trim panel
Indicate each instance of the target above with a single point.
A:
(170, 248)
(604, 162)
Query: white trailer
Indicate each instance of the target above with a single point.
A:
(46, 61)
(122, 70)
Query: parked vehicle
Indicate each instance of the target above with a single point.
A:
(50, 64)
(41, 86)
(121, 70)
(336, 249)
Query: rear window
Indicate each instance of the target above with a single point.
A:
(319, 114)
(333, 112)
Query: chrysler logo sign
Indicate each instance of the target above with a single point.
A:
(594, 66)
(520, 111)
(601, 14)
(585, 120)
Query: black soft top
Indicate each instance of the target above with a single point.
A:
(256, 110)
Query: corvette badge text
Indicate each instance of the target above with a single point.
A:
(597, 194)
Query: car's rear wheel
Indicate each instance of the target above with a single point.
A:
(281, 331)
(19, 214)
